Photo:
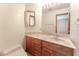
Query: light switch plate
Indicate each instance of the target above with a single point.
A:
(77, 22)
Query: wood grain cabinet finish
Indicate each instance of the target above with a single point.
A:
(28, 44)
(47, 52)
(33, 46)
(24, 43)
(38, 47)
(59, 49)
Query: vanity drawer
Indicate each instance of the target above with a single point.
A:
(58, 48)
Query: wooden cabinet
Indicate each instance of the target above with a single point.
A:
(47, 52)
(33, 46)
(38, 47)
(59, 54)
(58, 49)
(28, 44)
(24, 43)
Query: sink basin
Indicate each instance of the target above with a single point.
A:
(58, 38)
(61, 38)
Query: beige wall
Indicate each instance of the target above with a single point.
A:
(38, 14)
(74, 27)
(11, 24)
(49, 20)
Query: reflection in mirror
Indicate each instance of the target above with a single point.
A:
(63, 23)
(55, 18)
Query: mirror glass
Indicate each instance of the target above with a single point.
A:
(56, 18)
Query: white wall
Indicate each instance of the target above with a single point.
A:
(11, 24)
(49, 20)
(74, 27)
(38, 14)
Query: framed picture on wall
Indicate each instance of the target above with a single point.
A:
(29, 17)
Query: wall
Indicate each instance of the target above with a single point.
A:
(74, 27)
(11, 24)
(38, 14)
(49, 20)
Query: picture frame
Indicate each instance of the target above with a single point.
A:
(29, 17)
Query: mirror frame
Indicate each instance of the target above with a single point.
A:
(31, 15)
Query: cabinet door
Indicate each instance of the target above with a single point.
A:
(33, 46)
(36, 47)
(28, 44)
(24, 43)
(59, 54)
(47, 52)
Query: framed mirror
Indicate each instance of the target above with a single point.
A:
(29, 17)
(63, 23)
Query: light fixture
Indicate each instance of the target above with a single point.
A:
(50, 5)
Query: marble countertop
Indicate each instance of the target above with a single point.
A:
(65, 41)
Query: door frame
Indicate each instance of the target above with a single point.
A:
(68, 21)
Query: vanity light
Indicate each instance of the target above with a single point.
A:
(44, 7)
(47, 5)
(50, 5)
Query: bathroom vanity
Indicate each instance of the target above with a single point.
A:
(48, 45)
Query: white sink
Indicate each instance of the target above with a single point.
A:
(57, 38)
(60, 39)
